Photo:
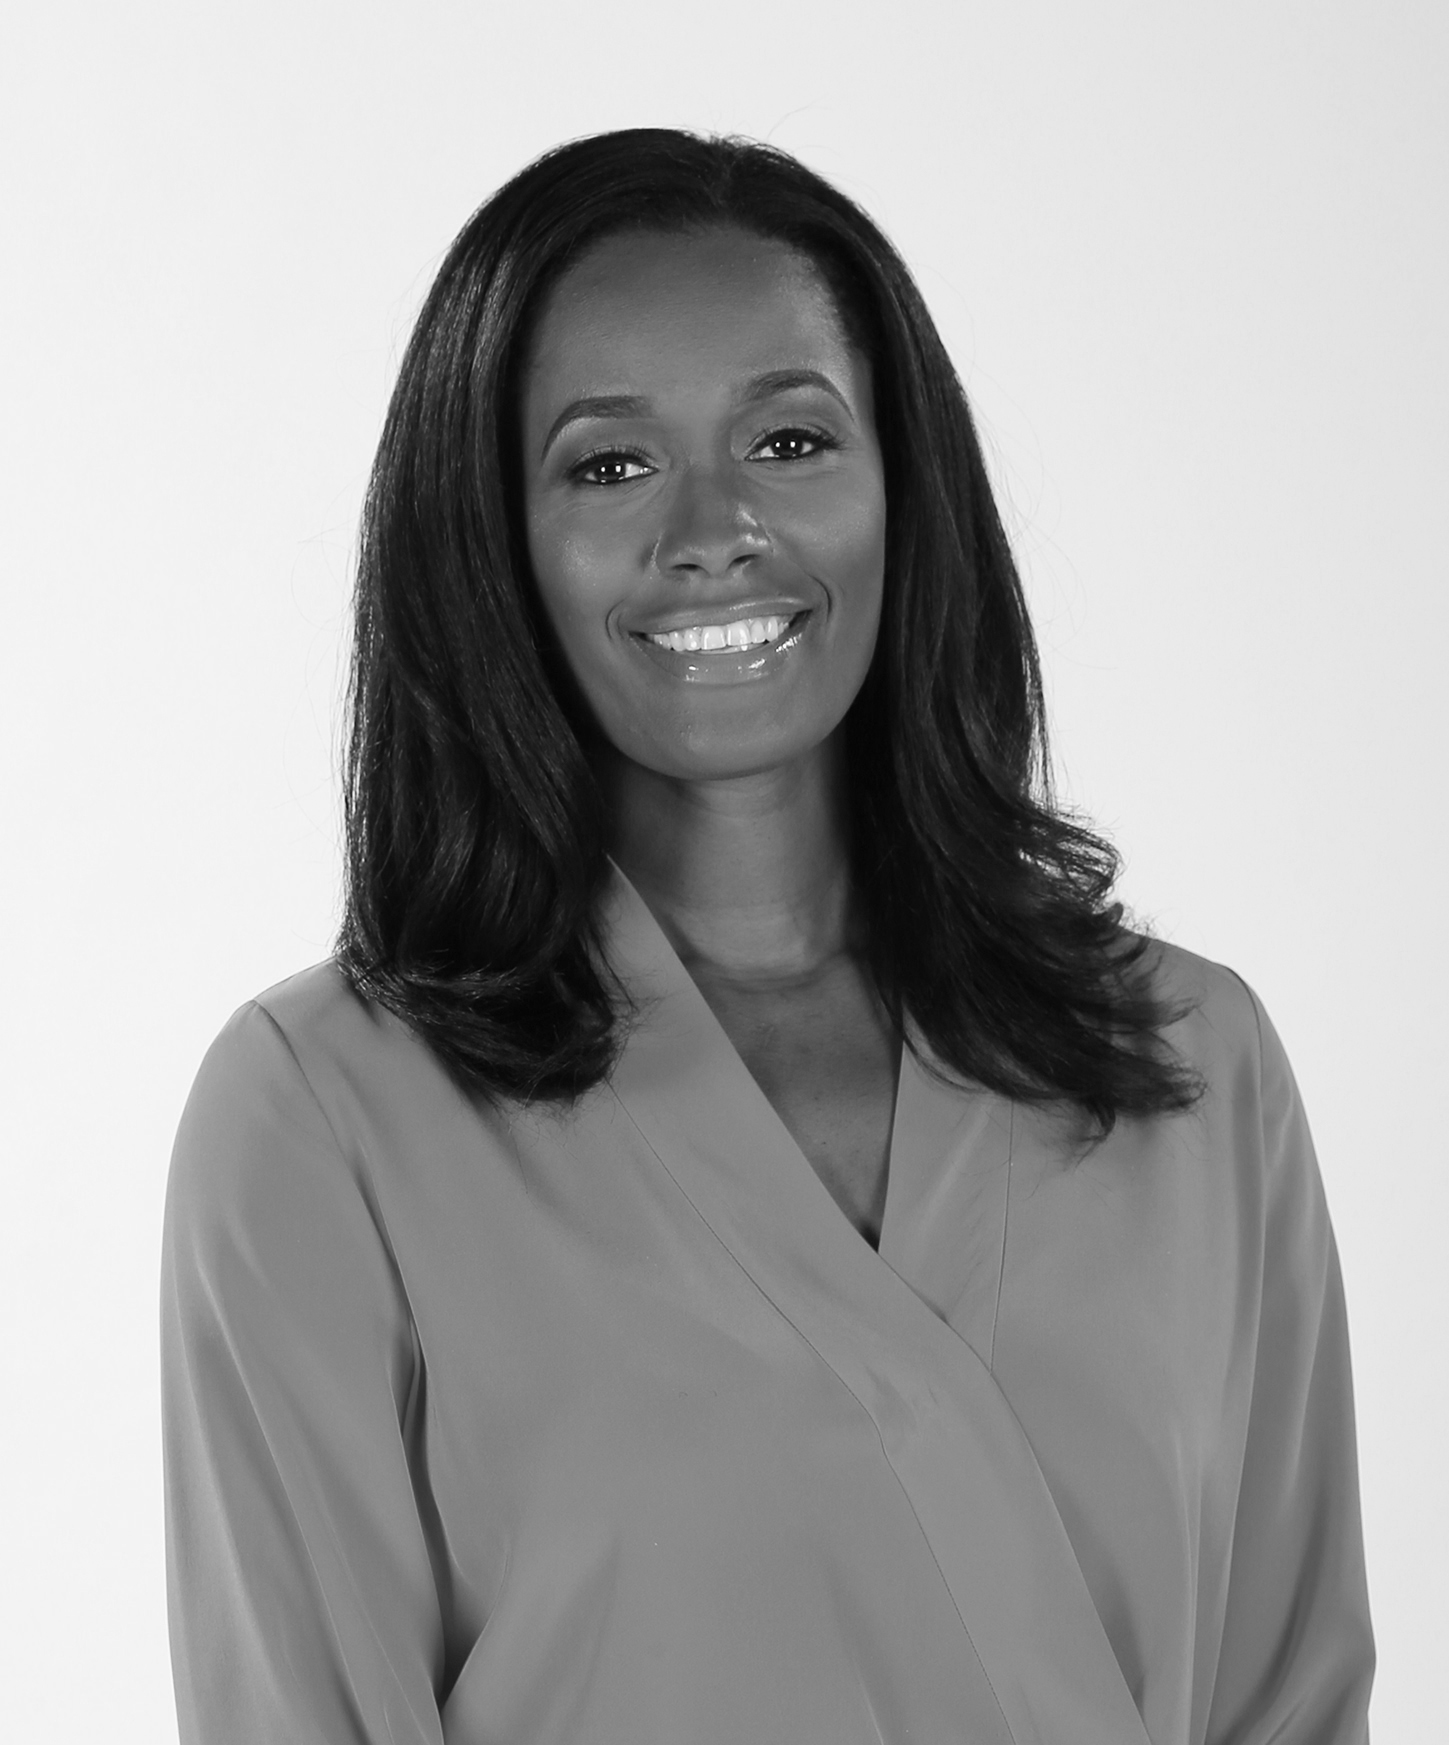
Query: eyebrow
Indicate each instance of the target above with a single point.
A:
(762, 387)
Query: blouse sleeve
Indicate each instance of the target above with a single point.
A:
(1297, 1655)
(300, 1590)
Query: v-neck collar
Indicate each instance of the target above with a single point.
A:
(649, 958)
(933, 1123)
(904, 1328)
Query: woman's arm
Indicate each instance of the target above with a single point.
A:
(1297, 1654)
(301, 1594)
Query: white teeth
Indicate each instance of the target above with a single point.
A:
(743, 633)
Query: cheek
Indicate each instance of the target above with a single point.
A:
(848, 520)
(850, 547)
(573, 573)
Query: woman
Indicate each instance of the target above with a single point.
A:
(741, 1243)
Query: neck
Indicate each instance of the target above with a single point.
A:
(748, 877)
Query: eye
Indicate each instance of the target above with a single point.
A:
(794, 442)
(609, 466)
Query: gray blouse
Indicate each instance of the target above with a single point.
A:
(609, 1428)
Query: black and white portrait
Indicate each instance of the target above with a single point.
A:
(726, 768)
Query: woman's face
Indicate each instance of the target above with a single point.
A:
(704, 498)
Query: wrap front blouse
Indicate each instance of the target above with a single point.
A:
(607, 1427)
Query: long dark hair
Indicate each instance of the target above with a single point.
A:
(477, 840)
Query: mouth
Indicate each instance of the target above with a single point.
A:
(730, 635)
(729, 651)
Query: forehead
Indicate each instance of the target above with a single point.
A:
(647, 306)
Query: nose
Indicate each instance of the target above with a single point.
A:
(709, 526)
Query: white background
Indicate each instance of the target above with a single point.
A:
(1191, 260)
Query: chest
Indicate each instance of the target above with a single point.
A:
(827, 1060)
(644, 1395)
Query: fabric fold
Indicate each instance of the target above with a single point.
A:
(947, 1430)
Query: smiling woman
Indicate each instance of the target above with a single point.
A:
(739, 486)
(742, 1241)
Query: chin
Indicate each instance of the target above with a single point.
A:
(730, 756)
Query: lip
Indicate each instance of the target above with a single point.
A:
(696, 615)
(731, 666)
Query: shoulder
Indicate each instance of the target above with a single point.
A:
(1215, 1019)
(312, 1036)
(316, 1008)
(252, 1114)
(256, 1059)
(1220, 1027)
(310, 1076)
(270, 1196)
(291, 1089)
